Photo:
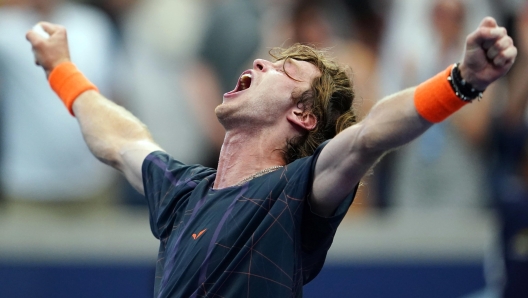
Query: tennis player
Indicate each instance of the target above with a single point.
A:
(261, 224)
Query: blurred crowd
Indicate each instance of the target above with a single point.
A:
(169, 62)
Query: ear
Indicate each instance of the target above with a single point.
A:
(303, 119)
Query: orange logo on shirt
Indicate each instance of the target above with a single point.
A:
(195, 236)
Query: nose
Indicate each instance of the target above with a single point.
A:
(261, 64)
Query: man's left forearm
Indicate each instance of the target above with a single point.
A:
(391, 123)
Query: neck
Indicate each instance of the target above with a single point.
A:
(245, 153)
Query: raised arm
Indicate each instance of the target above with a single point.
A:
(400, 118)
(113, 134)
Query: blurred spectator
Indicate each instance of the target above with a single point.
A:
(368, 20)
(160, 41)
(423, 38)
(506, 261)
(44, 157)
(231, 39)
(115, 9)
(329, 25)
(510, 171)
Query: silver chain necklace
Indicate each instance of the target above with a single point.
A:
(258, 174)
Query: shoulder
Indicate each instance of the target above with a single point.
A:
(297, 176)
(309, 160)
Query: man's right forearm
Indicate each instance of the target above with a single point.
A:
(108, 128)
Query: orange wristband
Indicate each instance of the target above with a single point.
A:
(435, 99)
(68, 82)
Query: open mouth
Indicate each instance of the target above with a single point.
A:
(244, 82)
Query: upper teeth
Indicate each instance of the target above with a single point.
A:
(245, 81)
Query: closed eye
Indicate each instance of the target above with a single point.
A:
(291, 65)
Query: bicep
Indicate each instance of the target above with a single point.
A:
(390, 124)
(132, 156)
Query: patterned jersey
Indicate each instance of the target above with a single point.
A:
(259, 239)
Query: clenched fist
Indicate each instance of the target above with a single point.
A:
(489, 54)
(52, 51)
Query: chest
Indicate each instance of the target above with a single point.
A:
(231, 214)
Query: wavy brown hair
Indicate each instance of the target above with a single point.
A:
(329, 99)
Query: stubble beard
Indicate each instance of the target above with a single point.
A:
(248, 115)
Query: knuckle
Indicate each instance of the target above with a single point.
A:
(59, 31)
(500, 57)
(504, 44)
